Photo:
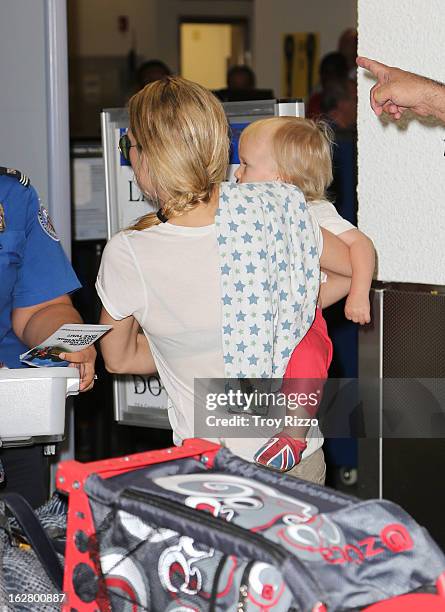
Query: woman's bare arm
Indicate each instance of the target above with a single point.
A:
(336, 288)
(335, 256)
(124, 349)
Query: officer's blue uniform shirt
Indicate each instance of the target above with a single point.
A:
(33, 265)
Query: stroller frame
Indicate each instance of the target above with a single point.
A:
(82, 552)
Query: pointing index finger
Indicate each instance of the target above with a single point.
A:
(376, 68)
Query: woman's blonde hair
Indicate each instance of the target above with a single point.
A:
(182, 137)
(302, 150)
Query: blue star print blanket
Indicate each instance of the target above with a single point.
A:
(269, 274)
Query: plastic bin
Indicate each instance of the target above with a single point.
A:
(32, 404)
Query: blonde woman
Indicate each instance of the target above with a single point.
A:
(167, 273)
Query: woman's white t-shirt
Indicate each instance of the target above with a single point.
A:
(168, 278)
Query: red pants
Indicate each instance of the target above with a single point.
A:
(310, 360)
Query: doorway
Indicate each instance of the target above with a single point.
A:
(209, 48)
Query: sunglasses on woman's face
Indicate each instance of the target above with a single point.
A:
(125, 146)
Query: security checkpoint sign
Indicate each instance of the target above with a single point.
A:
(131, 202)
(138, 400)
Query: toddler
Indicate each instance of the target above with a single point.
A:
(299, 151)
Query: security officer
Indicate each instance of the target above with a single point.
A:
(36, 278)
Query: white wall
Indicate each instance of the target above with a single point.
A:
(94, 27)
(273, 18)
(34, 101)
(401, 166)
(155, 23)
(23, 116)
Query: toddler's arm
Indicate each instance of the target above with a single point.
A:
(362, 255)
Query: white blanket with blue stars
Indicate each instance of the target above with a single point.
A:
(269, 276)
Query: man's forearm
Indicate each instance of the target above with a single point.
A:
(397, 90)
(46, 321)
(435, 99)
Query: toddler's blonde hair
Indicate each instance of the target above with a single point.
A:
(302, 150)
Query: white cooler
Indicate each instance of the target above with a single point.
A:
(32, 404)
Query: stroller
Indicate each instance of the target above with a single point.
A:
(195, 528)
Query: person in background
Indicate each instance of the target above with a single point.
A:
(241, 85)
(333, 73)
(347, 46)
(150, 71)
(36, 280)
(338, 106)
(397, 90)
(240, 77)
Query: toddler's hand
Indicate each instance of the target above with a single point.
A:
(281, 453)
(357, 309)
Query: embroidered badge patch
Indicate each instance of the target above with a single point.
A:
(46, 223)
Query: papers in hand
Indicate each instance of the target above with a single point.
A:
(67, 339)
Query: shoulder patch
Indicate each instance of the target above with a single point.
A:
(46, 223)
(19, 176)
